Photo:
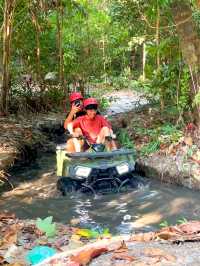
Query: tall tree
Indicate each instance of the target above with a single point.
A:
(60, 10)
(34, 6)
(190, 45)
(9, 7)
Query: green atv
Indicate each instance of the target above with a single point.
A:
(95, 170)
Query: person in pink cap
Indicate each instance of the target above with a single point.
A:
(93, 126)
(76, 102)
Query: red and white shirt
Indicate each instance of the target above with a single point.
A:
(91, 127)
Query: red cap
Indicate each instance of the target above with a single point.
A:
(90, 101)
(75, 96)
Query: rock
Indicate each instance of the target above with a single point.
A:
(51, 76)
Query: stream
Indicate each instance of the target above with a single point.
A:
(142, 209)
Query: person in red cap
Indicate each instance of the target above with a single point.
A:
(76, 101)
(93, 126)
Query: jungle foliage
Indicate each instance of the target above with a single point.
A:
(60, 45)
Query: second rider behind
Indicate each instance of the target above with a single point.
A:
(76, 101)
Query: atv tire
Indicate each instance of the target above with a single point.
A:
(131, 181)
(136, 181)
(67, 186)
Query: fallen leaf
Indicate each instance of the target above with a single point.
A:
(166, 235)
(143, 237)
(75, 238)
(74, 221)
(159, 254)
(192, 227)
(29, 229)
(188, 141)
(63, 241)
(46, 226)
(122, 248)
(1, 259)
(6, 216)
(10, 236)
(15, 264)
(87, 233)
(123, 256)
(85, 256)
(170, 257)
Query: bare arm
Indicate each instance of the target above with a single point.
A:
(70, 116)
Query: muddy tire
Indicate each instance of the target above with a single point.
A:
(137, 181)
(67, 186)
(131, 181)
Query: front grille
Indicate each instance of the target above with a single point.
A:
(103, 173)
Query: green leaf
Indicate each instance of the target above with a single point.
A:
(106, 233)
(164, 224)
(46, 226)
(182, 220)
(87, 233)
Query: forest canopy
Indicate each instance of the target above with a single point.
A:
(151, 45)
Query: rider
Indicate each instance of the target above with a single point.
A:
(93, 126)
(76, 101)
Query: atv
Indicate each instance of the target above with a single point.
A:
(95, 170)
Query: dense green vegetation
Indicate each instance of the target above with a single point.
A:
(51, 47)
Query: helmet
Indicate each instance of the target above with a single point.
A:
(75, 96)
(90, 101)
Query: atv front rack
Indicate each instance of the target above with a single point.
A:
(92, 155)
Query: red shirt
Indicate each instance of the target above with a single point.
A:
(91, 127)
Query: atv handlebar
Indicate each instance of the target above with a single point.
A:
(92, 155)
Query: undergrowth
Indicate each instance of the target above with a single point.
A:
(164, 134)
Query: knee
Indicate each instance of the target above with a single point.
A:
(78, 130)
(70, 146)
(106, 131)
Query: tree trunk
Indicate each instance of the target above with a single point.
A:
(7, 30)
(190, 46)
(144, 61)
(59, 41)
(158, 35)
(37, 32)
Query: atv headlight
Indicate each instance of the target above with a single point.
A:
(82, 171)
(122, 168)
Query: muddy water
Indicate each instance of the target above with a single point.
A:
(141, 209)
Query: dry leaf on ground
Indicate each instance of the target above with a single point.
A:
(188, 141)
(123, 256)
(1, 259)
(85, 256)
(143, 237)
(159, 254)
(10, 235)
(6, 216)
(192, 227)
(122, 248)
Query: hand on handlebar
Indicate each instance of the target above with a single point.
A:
(76, 135)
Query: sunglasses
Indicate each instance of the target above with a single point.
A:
(91, 107)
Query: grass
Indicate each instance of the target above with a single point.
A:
(165, 223)
(124, 139)
(156, 136)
